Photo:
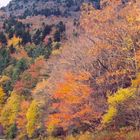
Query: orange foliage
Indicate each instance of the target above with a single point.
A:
(36, 67)
(72, 104)
(19, 86)
(21, 119)
(20, 53)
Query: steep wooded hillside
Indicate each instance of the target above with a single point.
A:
(70, 78)
(24, 8)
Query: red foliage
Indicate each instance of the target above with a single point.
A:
(30, 77)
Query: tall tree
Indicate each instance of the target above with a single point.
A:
(72, 107)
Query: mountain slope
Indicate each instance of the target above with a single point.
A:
(63, 77)
(26, 8)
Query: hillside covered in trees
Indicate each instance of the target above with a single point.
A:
(71, 75)
(25, 8)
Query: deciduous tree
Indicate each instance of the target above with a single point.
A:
(72, 106)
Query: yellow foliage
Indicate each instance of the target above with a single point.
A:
(121, 96)
(115, 100)
(128, 42)
(56, 52)
(107, 118)
(131, 19)
(4, 78)
(14, 41)
(10, 110)
(39, 58)
(32, 118)
(2, 96)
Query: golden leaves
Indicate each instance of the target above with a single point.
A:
(114, 100)
(10, 110)
(14, 41)
(32, 116)
(2, 96)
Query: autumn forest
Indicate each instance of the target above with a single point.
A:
(70, 72)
